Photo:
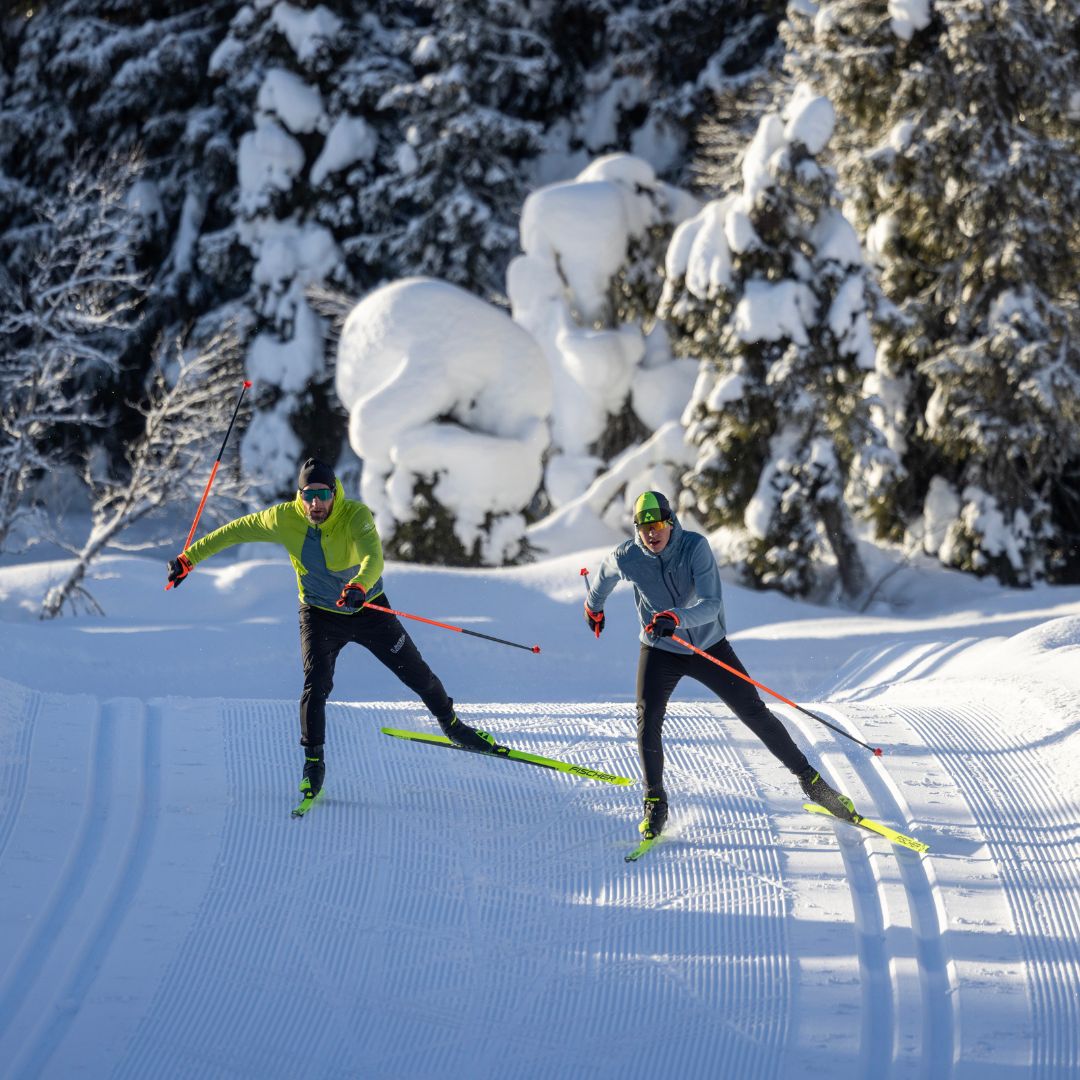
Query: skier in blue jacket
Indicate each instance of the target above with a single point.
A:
(677, 587)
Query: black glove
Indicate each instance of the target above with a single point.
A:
(664, 624)
(595, 620)
(352, 597)
(179, 568)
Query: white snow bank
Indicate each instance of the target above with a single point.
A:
(576, 236)
(604, 512)
(1063, 633)
(440, 385)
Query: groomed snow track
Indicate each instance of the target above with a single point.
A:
(441, 915)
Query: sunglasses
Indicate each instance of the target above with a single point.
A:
(322, 494)
(659, 523)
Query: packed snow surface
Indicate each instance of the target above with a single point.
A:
(439, 914)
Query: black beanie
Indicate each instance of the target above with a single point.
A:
(314, 471)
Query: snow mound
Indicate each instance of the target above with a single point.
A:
(1053, 634)
(442, 386)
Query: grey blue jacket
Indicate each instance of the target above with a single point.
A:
(683, 579)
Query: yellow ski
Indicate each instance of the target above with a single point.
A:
(875, 827)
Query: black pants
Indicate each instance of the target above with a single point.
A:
(659, 672)
(323, 634)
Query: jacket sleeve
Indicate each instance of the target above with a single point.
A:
(709, 605)
(606, 580)
(369, 548)
(253, 528)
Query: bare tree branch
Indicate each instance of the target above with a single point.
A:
(189, 405)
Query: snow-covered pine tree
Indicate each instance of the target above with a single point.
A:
(769, 287)
(280, 65)
(960, 150)
(470, 119)
(102, 79)
(644, 71)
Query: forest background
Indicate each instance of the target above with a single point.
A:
(843, 259)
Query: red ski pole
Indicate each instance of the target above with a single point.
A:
(456, 629)
(213, 472)
(780, 697)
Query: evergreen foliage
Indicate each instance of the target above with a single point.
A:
(470, 118)
(961, 153)
(778, 416)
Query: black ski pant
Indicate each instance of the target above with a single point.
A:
(323, 634)
(659, 672)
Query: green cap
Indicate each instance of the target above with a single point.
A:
(651, 506)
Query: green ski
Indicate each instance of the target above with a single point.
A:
(640, 850)
(306, 804)
(513, 755)
(875, 827)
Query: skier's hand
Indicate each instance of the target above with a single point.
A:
(179, 568)
(664, 624)
(595, 620)
(352, 597)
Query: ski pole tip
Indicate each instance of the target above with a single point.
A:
(584, 572)
(535, 648)
(878, 751)
(247, 384)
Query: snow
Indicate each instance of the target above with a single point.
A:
(769, 312)
(575, 237)
(268, 159)
(305, 31)
(907, 16)
(350, 140)
(440, 384)
(161, 914)
(297, 104)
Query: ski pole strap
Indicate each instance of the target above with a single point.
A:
(456, 629)
(779, 697)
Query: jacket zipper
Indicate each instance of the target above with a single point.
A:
(669, 583)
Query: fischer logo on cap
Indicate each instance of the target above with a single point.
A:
(651, 506)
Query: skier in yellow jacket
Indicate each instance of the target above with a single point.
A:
(337, 555)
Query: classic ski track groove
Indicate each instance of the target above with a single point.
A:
(143, 724)
(19, 711)
(56, 910)
(886, 1007)
(78, 921)
(1046, 910)
(938, 979)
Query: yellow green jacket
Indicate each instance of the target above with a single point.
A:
(345, 548)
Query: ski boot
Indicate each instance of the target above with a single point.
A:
(469, 738)
(655, 819)
(817, 790)
(314, 771)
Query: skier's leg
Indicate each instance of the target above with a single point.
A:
(387, 640)
(322, 636)
(745, 702)
(658, 674)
